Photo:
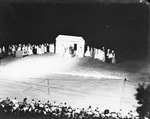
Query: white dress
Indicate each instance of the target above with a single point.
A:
(42, 48)
(87, 53)
(104, 59)
(113, 59)
(50, 48)
(96, 54)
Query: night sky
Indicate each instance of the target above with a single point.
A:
(122, 27)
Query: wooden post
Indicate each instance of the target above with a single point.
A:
(48, 87)
(148, 32)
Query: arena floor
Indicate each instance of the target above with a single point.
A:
(78, 81)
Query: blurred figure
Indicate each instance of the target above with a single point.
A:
(108, 56)
(87, 53)
(0, 53)
(104, 54)
(113, 57)
(15, 101)
(92, 52)
(25, 102)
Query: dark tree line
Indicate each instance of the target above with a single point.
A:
(143, 98)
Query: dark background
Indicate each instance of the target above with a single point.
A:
(122, 27)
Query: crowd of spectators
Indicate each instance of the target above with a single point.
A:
(54, 110)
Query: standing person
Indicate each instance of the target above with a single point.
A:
(113, 57)
(3, 51)
(99, 54)
(95, 53)
(33, 50)
(9, 50)
(104, 54)
(0, 53)
(91, 52)
(108, 56)
(47, 47)
(37, 49)
(13, 50)
(42, 49)
(22, 48)
(87, 53)
(53, 48)
(50, 48)
(30, 50)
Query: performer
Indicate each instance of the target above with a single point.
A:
(99, 56)
(42, 49)
(104, 54)
(113, 57)
(47, 47)
(19, 48)
(3, 51)
(53, 48)
(0, 53)
(92, 52)
(104, 58)
(26, 50)
(87, 53)
(13, 50)
(30, 50)
(9, 50)
(96, 53)
(50, 48)
(108, 56)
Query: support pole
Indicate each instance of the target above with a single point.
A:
(122, 92)
(148, 32)
(48, 87)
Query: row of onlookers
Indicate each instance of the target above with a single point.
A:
(101, 54)
(33, 108)
(28, 49)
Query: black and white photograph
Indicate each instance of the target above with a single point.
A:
(74, 59)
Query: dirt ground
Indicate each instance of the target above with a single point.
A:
(78, 81)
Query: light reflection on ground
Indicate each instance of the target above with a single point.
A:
(59, 79)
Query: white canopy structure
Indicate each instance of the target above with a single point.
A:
(65, 42)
